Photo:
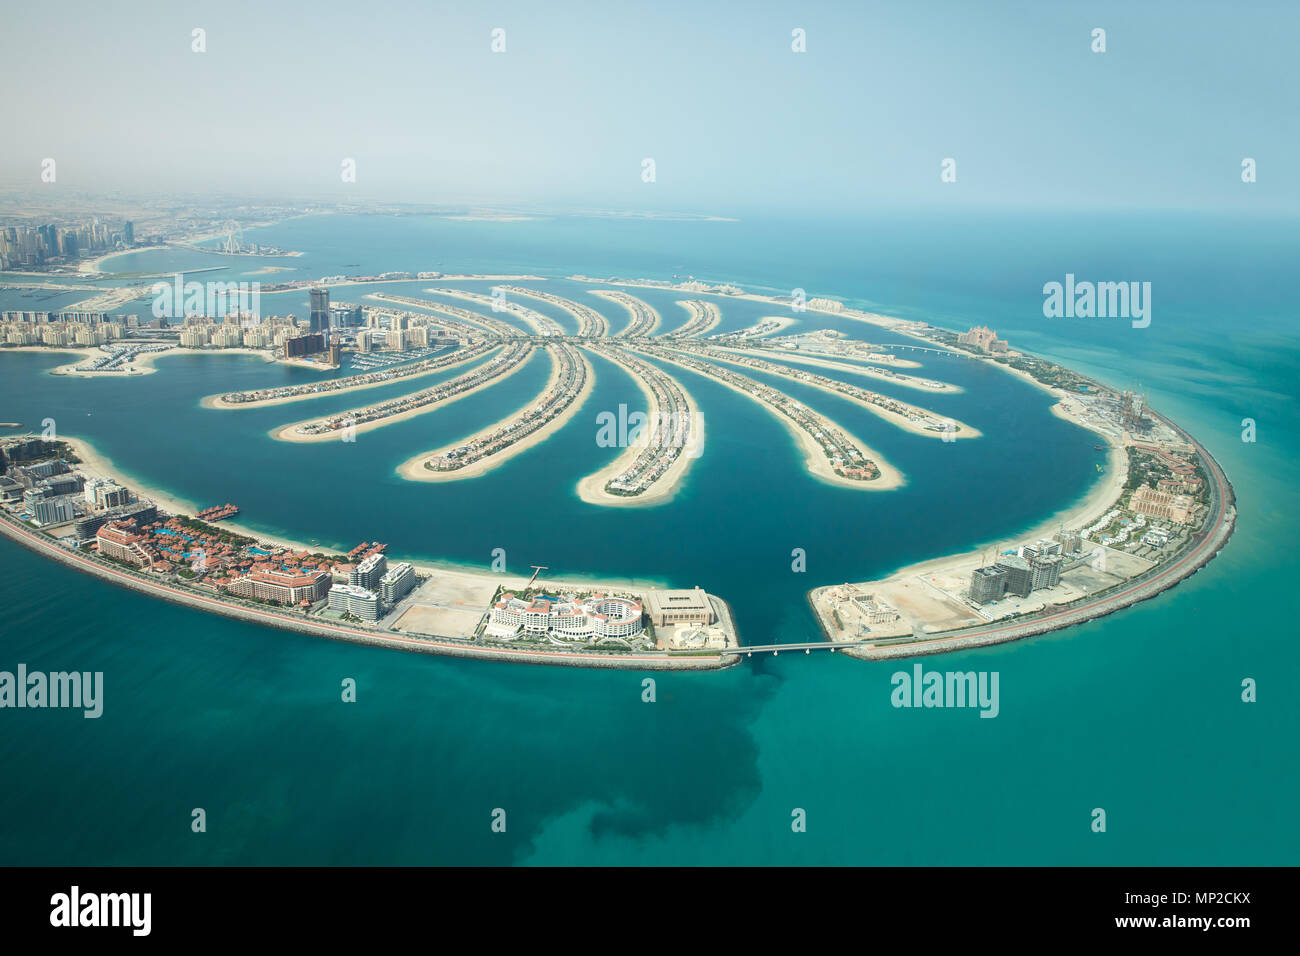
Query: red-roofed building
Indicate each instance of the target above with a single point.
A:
(283, 587)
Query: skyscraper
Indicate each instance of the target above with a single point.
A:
(320, 311)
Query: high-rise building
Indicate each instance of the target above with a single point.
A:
(1044, 571)
(1040, 548)
(397, 583)
(987, 584)
(54, 510)
(300, 345)
(1071, 541)
(369, 572)
(319, 320)
(983, 338)
(1020, 579)
(354, 600)
(128, 232)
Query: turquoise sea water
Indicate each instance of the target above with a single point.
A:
(1138, 713)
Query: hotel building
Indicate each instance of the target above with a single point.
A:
(124, 543)
(1161, 504)
(597, 617)
(283, 587)
(984, 339)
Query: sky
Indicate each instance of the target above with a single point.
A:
(712, 91)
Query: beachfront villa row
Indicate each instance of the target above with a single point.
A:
(597, 617)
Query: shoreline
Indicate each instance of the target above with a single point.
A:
(96, 462)
(413, 468)
(1103, 495)
(42, 544)
(591, 488)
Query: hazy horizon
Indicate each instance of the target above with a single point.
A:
(735, 121)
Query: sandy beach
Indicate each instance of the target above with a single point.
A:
(97, 464)
(413, 468)
(815, 458)
(591, 489)
(1081, 513)
(286, 433)
(81, 354)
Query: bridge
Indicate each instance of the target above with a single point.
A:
(775, 649)
(918, 348)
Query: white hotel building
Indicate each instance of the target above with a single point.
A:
(596, 617)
